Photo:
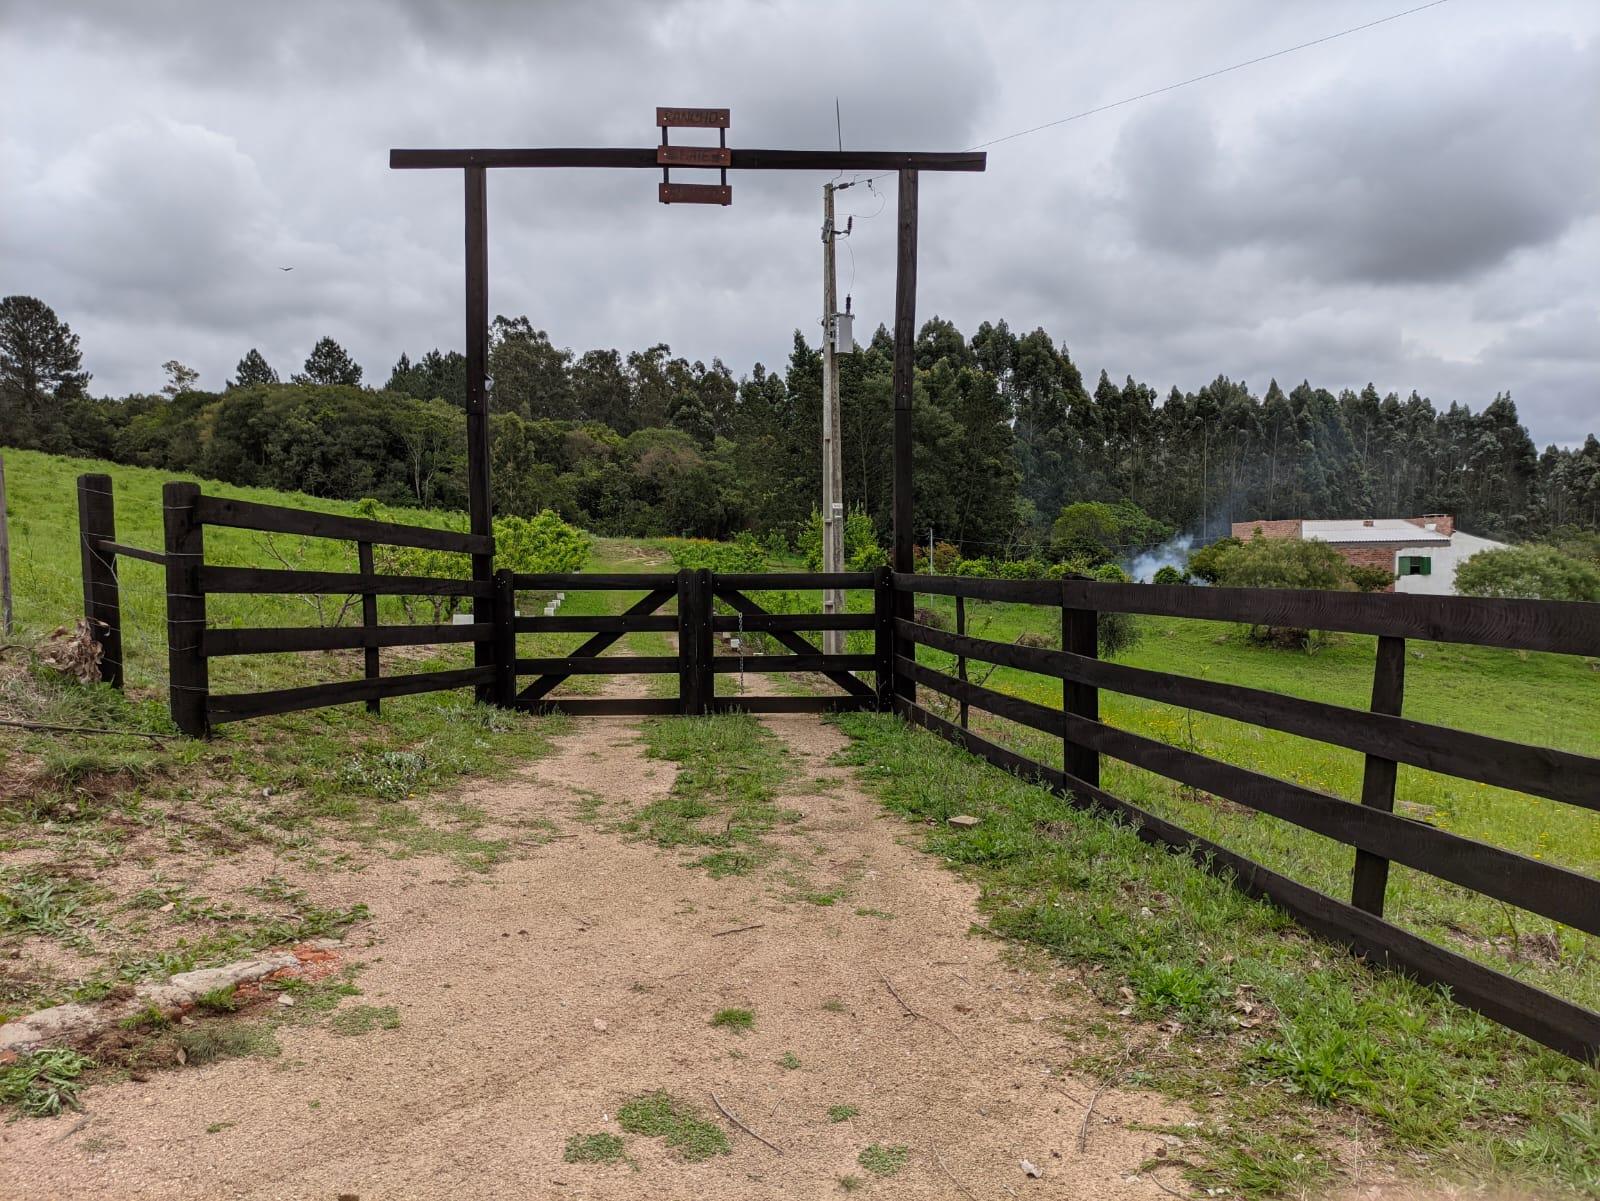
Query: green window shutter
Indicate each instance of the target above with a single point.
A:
(1415, 565)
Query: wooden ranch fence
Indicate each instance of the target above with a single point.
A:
(1386, 739)
(696, 606)
(192, 643)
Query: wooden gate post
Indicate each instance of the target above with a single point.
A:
(189, 679)
(97, 524)
(706, 689)
(688, 675)
(883, 635)
(903, 504)
(480, 502)
(1370, 879)
(369, 621)
(1080, 636)
(505, 638)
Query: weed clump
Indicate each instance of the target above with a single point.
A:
(661, 1115)
(363, 1019)
(212, 1041)
(883, 1161)
(43, 1083)
(594, 1148)
(737, 1020)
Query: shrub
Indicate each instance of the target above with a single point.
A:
(532, 545)
(744, 553)
(1206, 563)
(1168, 574)
(1370, 579)
(1266, 562)
(1538, 572)
(945, 557)
(1116, 632)
(1022, 569)
(1098, 532)
(543, 544)
(862, 551)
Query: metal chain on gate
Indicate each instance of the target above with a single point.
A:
(741, 652)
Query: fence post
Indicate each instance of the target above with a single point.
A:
(505, 638)
(1080, 636)
(1371, 877)
(961, 660)
(97, 523)
(189, 679)
(704, 644)
(688, 677)
(883, 636)
(7, 613)
(369, 619)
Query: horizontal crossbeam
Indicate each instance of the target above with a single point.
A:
(740, 160)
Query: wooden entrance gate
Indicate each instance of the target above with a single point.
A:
(710, 607)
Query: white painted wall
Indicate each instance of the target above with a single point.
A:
(1442, 582)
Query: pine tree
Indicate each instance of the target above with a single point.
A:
(329, 363)
(253, 370)
(40, 367)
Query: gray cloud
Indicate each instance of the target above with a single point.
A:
(1432, 175)
(1415, 205)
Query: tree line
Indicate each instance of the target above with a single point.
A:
(1008, 434)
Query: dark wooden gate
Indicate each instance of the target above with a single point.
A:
(709, 608)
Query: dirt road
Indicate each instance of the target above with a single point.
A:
(534, 1002)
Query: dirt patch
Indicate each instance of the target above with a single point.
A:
(535, 1002)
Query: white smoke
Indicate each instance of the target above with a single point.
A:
(1174, 552)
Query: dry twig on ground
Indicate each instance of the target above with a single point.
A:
(723, 1110)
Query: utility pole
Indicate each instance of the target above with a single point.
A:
(832, 471)
(7, 615)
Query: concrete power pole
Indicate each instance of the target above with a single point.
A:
(832, 472)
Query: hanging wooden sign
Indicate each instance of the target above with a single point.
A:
(692, 118)
(694, 193)
(718, 156)
(693, 156)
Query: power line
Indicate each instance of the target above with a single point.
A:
(1172, 87)
(1183, 83)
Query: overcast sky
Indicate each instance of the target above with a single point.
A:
(1417, 205)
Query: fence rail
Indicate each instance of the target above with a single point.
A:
(700, 606)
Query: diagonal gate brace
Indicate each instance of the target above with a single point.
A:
(793, 642)
(545, 685)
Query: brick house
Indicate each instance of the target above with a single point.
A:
(1423, 552)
